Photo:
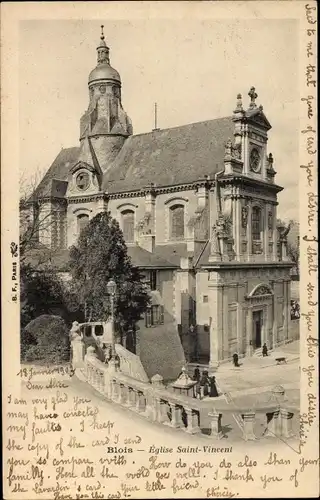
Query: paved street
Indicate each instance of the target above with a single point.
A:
(258, 374)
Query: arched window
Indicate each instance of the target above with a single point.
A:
(128, 225)
(83, 220)
(256, 230)
(177, 222)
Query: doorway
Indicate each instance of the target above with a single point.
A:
(257, 317)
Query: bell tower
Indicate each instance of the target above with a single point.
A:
(105, 122)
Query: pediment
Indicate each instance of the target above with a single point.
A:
(258, 117)
(260, 290)
(82, 164)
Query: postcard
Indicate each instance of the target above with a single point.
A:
(159, 250)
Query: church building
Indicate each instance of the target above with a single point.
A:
(197, 205)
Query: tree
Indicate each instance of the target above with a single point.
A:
(33, 217)
(45, 338)
(101, 255)
(44, 293)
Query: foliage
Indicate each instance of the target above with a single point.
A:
(44, 293)
(101, 255)
(45, 338)
(31, 216)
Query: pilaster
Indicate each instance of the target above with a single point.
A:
(275, 236)
(216, 323)
(249, 325)
(265, 233)
(249, 231)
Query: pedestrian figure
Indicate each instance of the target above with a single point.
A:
(205, 382)
(196, 374)
(235, 359)
(213, 388)
(264, 350)
(198, 390)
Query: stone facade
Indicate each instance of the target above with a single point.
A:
(204, 225)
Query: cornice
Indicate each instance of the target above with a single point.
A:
(88, 198)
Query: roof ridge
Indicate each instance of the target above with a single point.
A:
(181, 126)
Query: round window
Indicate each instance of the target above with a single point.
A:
(82, 181)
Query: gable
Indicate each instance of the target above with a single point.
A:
(257, 117)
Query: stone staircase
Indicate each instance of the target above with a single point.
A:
(258, 353)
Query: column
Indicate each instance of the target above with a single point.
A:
(249, 232)
(224, 333)
(266, 233)
(239, 327)
(215, 292)
(275, 235)
(285, 312)
(249, 326)
(237, 223)
(248, 426)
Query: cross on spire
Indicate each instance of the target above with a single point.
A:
(102, 34)
(253, 96)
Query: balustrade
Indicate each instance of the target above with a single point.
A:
(248, 425)
(160, 405)
(273, 424)
(216, 428)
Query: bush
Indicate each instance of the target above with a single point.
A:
(46, 339)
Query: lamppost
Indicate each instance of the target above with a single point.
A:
(112, 288)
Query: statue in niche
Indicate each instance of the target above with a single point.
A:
(228, 148)
(283, 231)
(236, 150)
(270, 219)
(244, 217)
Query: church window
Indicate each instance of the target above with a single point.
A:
(256, 228)
(83, 220)
(177, 222)
(128, 225)
(83, 181)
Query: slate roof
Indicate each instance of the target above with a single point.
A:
(144, 259)
(41, 257)
(170, 156)
(59, 170)
(172, 252)
(164, 157)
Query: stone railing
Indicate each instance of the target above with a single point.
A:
(154, 401)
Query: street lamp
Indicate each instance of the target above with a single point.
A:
(112, 288)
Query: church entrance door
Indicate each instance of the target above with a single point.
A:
(257, 318)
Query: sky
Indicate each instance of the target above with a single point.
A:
(193, 69)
